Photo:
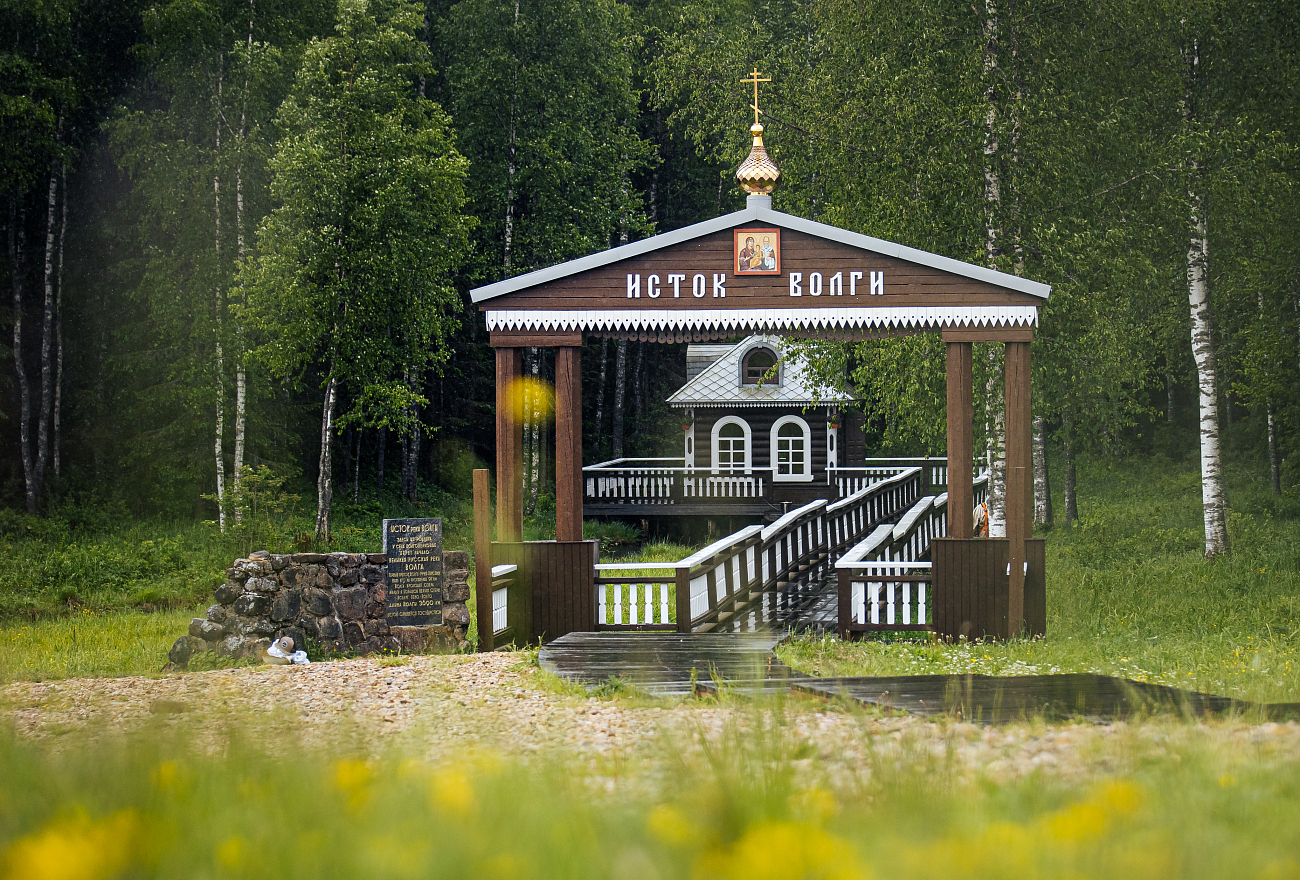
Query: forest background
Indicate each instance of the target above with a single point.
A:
(182, 331)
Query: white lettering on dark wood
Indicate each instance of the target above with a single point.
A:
(817, 284)
(414, 590)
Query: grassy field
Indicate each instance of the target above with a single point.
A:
(1130, 594)
(1164, 802)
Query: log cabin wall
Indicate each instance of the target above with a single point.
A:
(760, 422)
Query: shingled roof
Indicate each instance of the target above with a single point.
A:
(719, 383)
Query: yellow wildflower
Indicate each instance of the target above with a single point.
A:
(451, 792)
(667, 825)
(783, 851)
(353, 777)
(75, 849)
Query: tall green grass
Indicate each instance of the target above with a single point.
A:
(758, 803)
(1129, 593)
(90, 645)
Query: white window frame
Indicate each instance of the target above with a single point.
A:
(749, 443)
(778, 477)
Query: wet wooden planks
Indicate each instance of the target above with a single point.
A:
(667, 663)
(992, 699)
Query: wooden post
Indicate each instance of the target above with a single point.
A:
(1020, 480)
(510, 448)
(960, 415)
(483, 558)
(682, 598)
(568, 444)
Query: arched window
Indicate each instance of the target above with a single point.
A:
(756, 366)
(791, 450)
(731, 446)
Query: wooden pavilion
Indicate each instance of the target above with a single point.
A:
(760, 271)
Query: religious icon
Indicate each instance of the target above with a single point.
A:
(758, 251)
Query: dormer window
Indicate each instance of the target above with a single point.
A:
(757, 367)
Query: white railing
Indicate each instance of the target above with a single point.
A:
(502, 575)
(696, 592)
(848, 480)
(666, 481)
(883, 580)
(647, 600)
(706, 485)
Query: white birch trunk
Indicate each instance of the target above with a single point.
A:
(995, 409)
(58, 331)
(995, 452)
(509, 232)
(219, 439)
(325, 478)
(620, 380)
(1042, 498)
(17, 255)
(600, 392)
(534, 432)
(47, 331)
(1213, 501)
(241, 379)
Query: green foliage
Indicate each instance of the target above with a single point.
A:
(353, 265)
(543, 99)
(260, 512)
(758, 799)
(1129, 593)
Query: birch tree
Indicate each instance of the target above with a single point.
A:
(351, 284)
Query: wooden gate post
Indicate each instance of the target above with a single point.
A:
(1020, 481)
(568, 444)
(483, 559)
(960, 415)
(510, 447)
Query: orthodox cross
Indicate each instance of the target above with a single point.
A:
(754, 78)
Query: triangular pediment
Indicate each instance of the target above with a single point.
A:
(759, 269)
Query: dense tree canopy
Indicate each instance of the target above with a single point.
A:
(220, 213)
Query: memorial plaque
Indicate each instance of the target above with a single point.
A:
(414, 548)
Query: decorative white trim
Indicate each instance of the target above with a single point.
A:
(765, 320)
(777, 476)
(749, 443)
(832, 447)
(761, 213)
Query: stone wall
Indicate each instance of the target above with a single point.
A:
(337, 599)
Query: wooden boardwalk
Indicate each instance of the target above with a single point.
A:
(994, 700)
(669, 663)
(673, 664)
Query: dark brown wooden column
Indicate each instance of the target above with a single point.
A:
(568, 444)
(960, 415)
(483, 558)
(1020, 475)
(510, 447)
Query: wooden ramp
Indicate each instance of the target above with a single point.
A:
(743, 663)
(990, 699)
(671, 663)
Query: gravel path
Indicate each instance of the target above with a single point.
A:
(447, 706)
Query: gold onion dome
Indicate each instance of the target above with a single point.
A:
(758, 174)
